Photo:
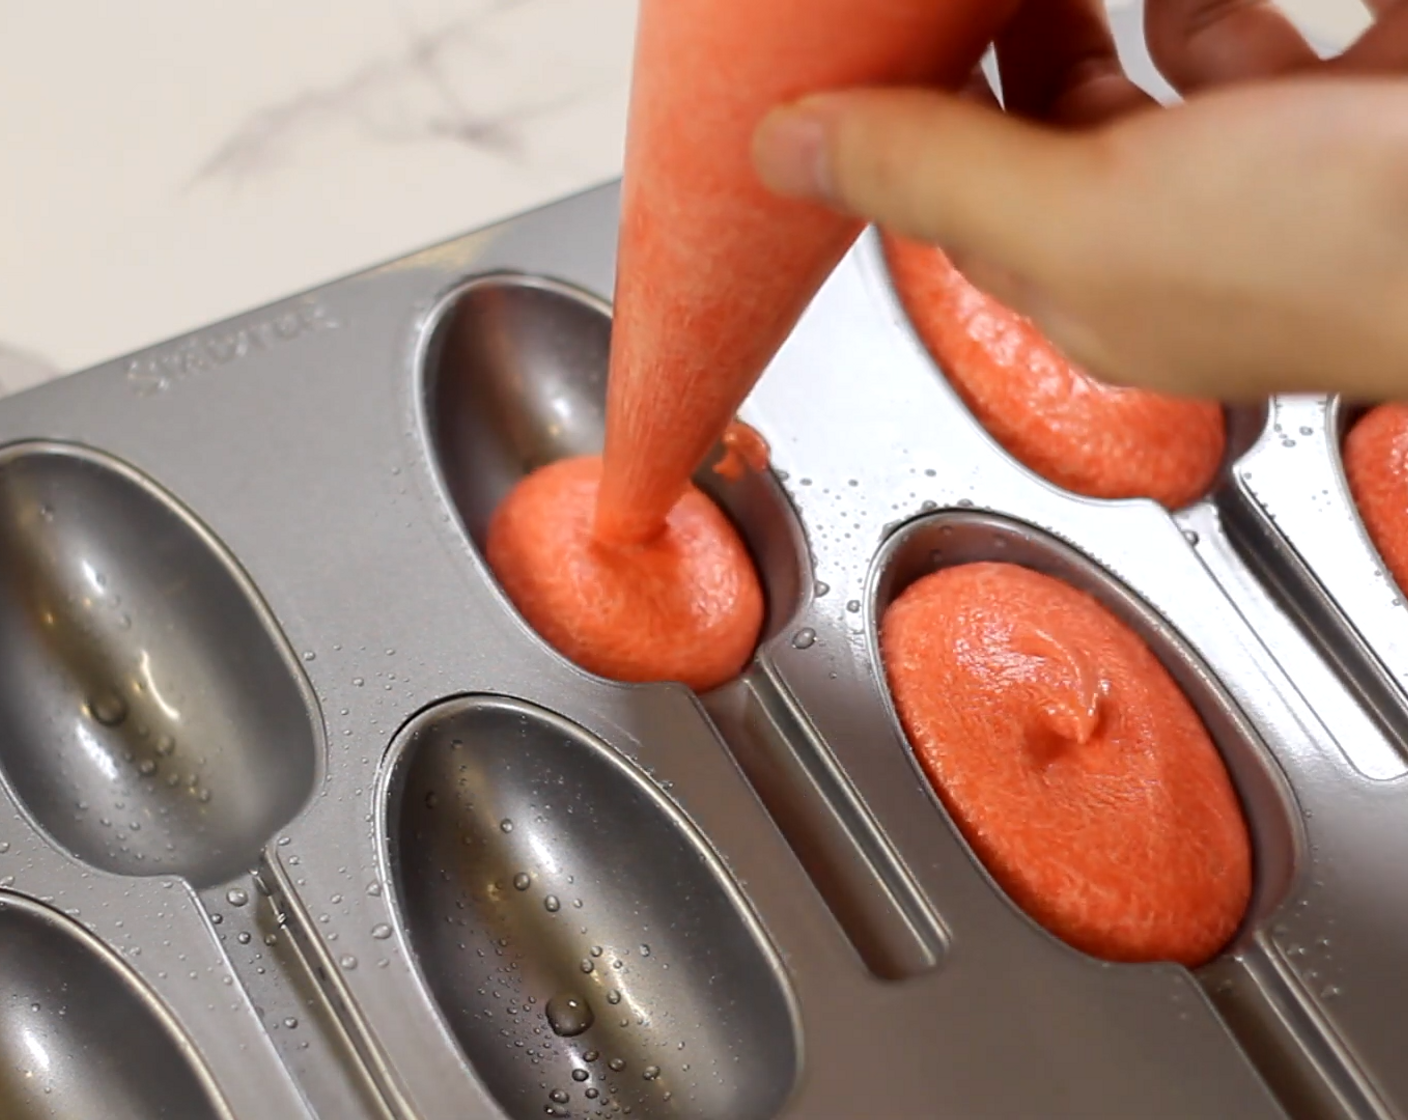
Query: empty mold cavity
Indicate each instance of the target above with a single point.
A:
(959, 537)
(154, 721)
(80, 1038)
(515, 378)
(586, 949)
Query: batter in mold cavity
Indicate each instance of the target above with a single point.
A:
(683, 604)
(1094, 439)
(1376, 467)
(621, 563)
(1072, 763)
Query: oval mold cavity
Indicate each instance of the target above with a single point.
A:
(951, 538)
(515, 378)
(80, 1037)
(584, 946)
(154, 720)
(1243, 423)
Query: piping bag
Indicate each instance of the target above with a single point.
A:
(713, 271)
(620, 563)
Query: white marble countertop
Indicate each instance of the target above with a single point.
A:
(168, 163)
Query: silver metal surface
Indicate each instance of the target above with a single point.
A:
(574, 932)
(1289, 507)
(251, 556)
(506, 387)
(80, 1036)
(821, 939)
(154, 722)
(514, 377)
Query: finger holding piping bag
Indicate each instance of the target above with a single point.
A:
(1249, 241)
(1059, 63)
(713, 272)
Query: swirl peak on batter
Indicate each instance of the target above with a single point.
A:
(1072, 763)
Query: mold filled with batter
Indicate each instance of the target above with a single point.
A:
(1099, 440)
(1376, 467)
(685, 605)
(1071, 761)
(713, 272)
(515, 397)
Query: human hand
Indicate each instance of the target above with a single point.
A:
(1253, 239)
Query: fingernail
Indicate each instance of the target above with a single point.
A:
(790, 153)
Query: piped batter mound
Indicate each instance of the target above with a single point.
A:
(1070, 760)
(684, 605)
(713, 271)
(1099, 440)
(1376, 466)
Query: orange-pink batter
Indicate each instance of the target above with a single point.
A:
(1071, 761)
(1376, 466)
(713, 272)
(1095, 439)
(744, 450)
(685, 606)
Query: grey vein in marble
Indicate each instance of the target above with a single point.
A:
(407, 97)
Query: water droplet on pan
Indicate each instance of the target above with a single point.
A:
(109, 709)
(569, 1015)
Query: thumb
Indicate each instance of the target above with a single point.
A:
(1012, 203)
(927, 165)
